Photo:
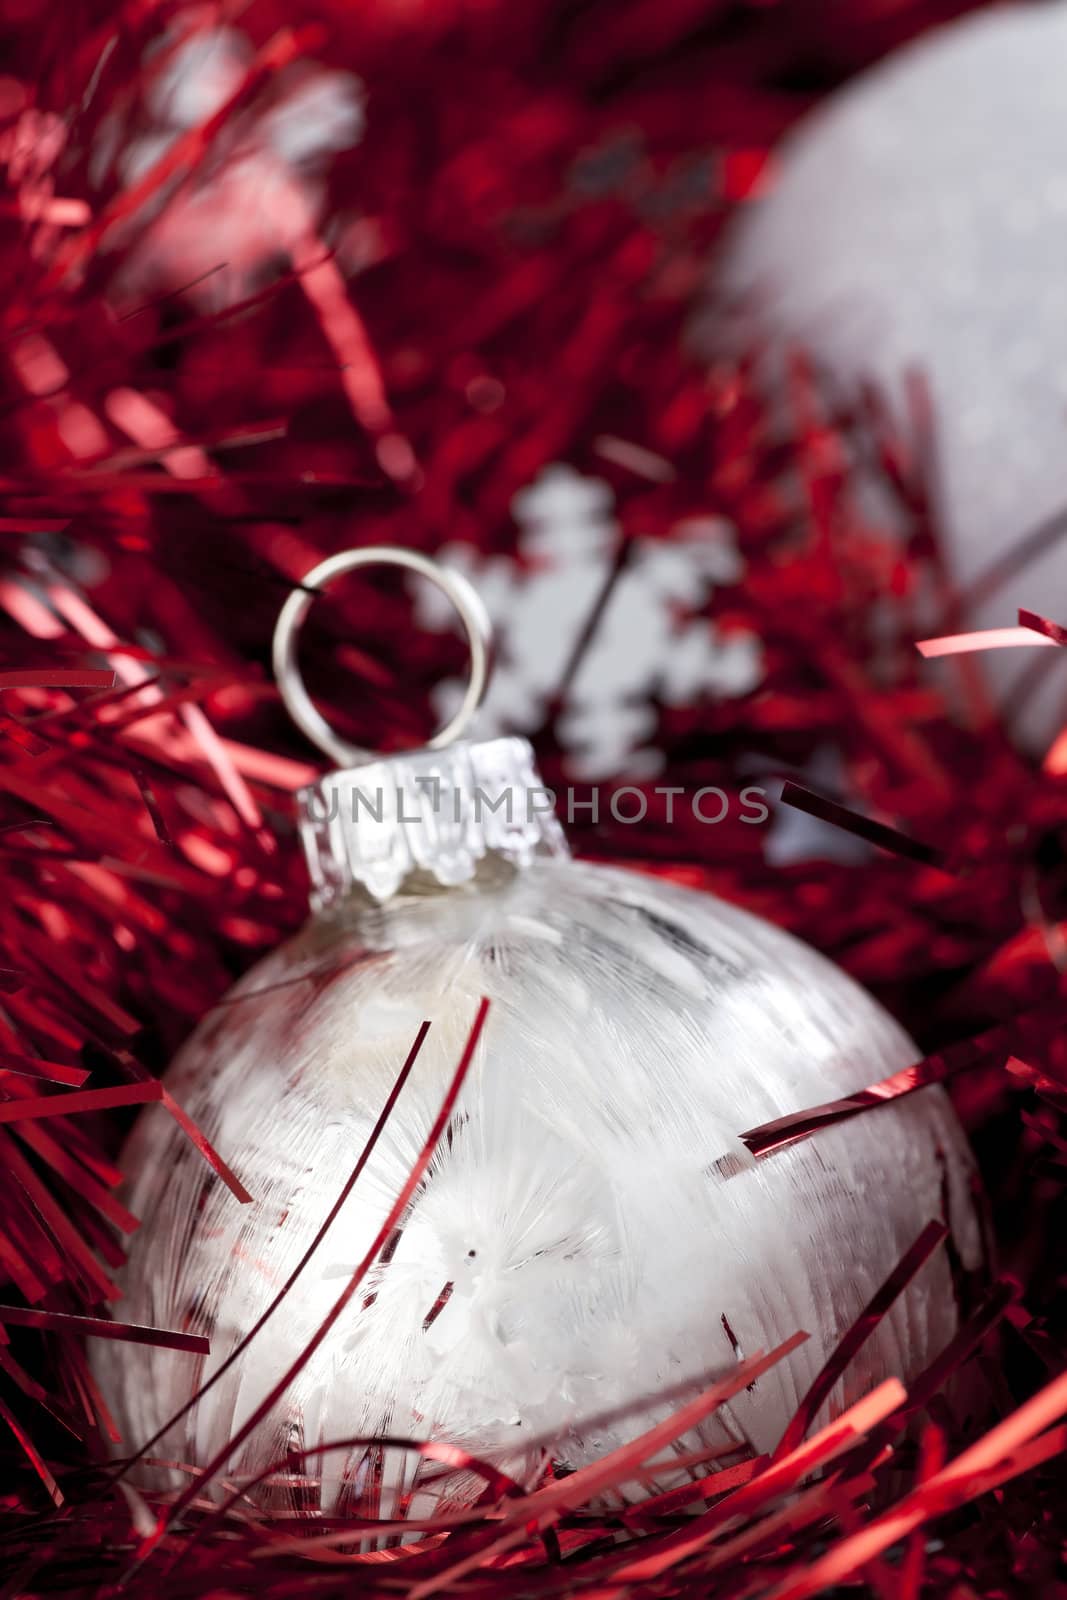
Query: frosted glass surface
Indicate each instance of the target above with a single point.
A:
(581, 1209)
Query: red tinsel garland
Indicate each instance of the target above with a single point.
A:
(499, 276)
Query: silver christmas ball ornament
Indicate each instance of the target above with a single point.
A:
(591, 1239)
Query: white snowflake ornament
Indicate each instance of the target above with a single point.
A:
(540, 603)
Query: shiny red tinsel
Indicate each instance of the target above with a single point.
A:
(497, 275)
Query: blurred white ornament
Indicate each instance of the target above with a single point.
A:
(918, 221)
(540, 603)
(592, 1234)
(259, 196)
(198, 77)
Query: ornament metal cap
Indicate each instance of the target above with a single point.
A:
(379, 820)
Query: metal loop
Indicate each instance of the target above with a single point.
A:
(468, 604)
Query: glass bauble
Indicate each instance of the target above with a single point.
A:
(591, 1232)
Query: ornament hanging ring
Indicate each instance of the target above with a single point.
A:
(465, 599)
